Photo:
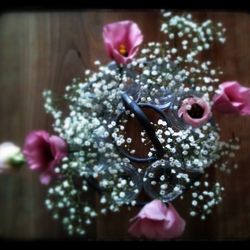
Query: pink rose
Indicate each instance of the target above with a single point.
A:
(157, 221)
(195, 111)
(43, 153)
(231, 97)
(122, 40)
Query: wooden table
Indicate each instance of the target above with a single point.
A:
(48, 49)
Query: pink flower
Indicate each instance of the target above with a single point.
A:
(231, 97)
(195, 111)
(122, 40)
(156, 221)
(43, 153)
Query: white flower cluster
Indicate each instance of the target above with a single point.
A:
(194, 37)
(161, 75)
(205, 198)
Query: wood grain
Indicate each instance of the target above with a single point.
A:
(46, 50)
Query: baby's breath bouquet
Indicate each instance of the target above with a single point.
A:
(140, 130)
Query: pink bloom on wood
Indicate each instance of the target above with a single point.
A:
(195, 111)
(43, 153)
(122, 40)
(157, 221)
(231, 97)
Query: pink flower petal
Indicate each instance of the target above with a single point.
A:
(154, 210)
(58, 147)
(156, 221)
(175, 222)
(45, 178)
(231, 97)
(125, 33)
(184, 111)
(43, 153)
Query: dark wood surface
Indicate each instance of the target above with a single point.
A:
(46, 50)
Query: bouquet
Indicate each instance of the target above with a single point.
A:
(140, 131)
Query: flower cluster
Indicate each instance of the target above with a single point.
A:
(159, 100)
